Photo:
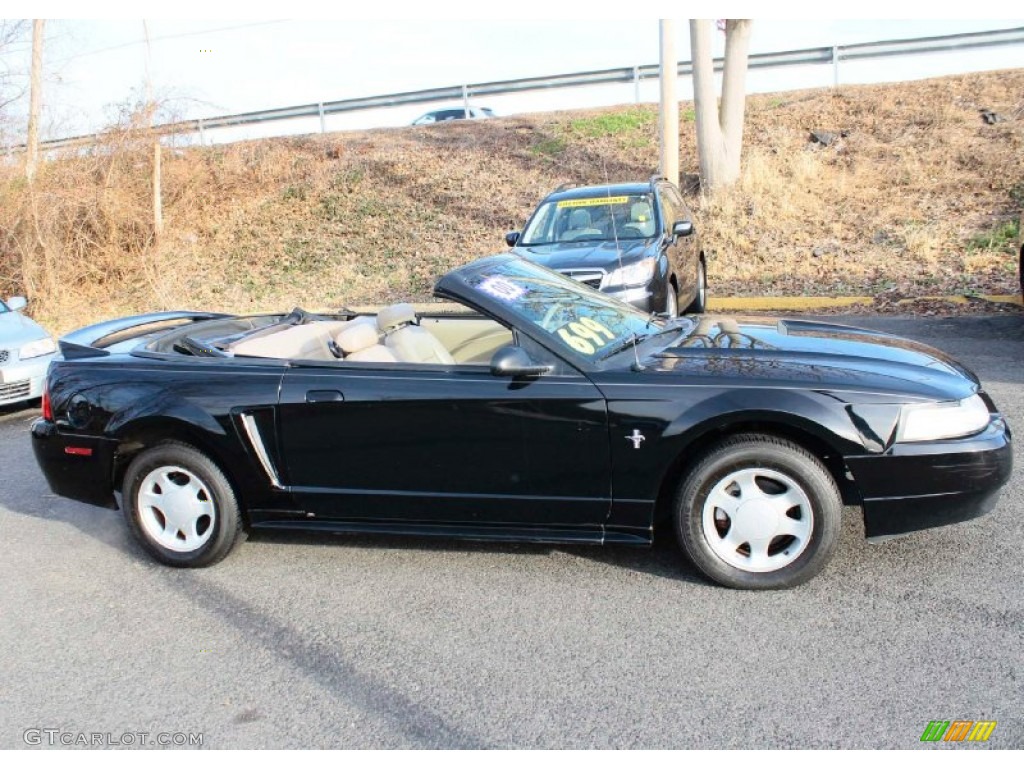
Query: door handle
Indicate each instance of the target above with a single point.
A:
(324, 396)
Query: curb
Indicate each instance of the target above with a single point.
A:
(769, 303)
(780, 303)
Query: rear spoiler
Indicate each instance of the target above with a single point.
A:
(82, 343)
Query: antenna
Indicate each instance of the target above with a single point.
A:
(618, 251)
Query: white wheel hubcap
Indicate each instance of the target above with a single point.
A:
(176, 509)
(757, 520)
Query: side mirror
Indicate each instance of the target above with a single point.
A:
(17, 302)
(513, 361)
(511, 238)
(682, 228)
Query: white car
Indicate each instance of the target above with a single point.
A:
(455, 113)
(25, 353)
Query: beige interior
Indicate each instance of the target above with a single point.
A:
(436, 340)
(296, 342)
(412, 344)
(360, 343)
(469, 339)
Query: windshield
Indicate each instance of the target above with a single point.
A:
(576, 317)
(623, 217)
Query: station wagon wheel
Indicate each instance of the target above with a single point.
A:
(671, 301)
(700, 300)
(180, 506)
(758, 512)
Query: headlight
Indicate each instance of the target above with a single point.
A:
(942, 421)
(37, 348)
(635, 274)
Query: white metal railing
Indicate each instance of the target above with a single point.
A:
(833, 55)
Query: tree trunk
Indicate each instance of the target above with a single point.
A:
(35, 97)
(669, 108)
(158, 202)
(710, 149)
(719, 135)
(734, 94)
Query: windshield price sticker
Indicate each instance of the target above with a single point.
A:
(589, 201)
(585, 335)
(503, 289)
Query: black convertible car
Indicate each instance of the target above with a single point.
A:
(549, 412)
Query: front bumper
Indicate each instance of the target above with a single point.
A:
(23, 380)
(647, 298)
(79, 467)
(914, 486)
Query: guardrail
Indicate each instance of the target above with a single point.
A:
(833, 55)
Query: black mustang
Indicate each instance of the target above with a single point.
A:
(550, 413)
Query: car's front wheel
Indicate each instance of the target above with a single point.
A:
(181, 507)
(699, 304)
(671, 301)
(758, 512)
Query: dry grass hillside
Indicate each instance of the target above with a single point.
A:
(917, 196)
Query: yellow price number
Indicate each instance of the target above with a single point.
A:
(585, 335)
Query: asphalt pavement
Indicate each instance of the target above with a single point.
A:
(363, 641)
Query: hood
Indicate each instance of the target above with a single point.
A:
(16, 329)
(807, 352)
(597, 254)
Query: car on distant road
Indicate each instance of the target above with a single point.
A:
(635, 241)
(454, 113)
(25, 352)
(548, 413)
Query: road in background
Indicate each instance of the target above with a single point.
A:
(331, 641)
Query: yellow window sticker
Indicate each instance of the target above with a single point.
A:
(586, 202)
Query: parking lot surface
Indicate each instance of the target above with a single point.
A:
(350, 642)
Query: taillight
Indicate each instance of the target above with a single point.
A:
(47, 407)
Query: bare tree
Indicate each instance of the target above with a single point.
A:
(719, 132)
(12, 32)
(158, 205)
(35, 97)
(668, 123)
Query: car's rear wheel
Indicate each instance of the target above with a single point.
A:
(700, 299)
(758, 512)
(181, 507)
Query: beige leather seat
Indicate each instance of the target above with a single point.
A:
(296, 342)
(361, 344)
(641, 219)
(395, 316)
(580, 226)
(409, 342)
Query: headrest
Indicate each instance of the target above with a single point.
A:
(579, 219)
(391, 317)
(640, 212)
(355, 337)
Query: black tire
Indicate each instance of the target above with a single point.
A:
(700, 300)
(780, 466)
(216, 530)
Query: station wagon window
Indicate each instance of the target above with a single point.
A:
(669, 210)
(610, 217)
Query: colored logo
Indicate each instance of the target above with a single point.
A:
(958, 730)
